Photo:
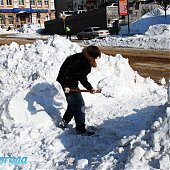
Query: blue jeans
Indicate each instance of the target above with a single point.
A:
(76, 109)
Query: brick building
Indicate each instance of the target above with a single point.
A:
(15, 13)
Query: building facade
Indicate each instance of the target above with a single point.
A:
(15, 13)
(74, 5)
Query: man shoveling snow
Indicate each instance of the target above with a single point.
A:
(74, 69)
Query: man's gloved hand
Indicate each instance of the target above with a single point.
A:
(66, 90)
(96, 91)
(93, 91)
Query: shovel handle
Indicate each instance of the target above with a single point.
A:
(81, 90)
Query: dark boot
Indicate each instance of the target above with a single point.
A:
(82, 131)
(63, 123)
(86, 133)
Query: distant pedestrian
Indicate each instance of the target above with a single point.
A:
(9, 28)
(68, 32)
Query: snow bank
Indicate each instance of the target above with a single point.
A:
(30, 29)
(32, 103)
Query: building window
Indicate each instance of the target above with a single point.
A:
(21, 2)
(1, 2)
(46, 2)
(32, 2)
(2, 19)
(9, 2)
(11, 19)
(39, 2)
(137, 6)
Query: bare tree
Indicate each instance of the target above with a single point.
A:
(164, 4)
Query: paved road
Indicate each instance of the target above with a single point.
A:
(148, 63)
(6, 39)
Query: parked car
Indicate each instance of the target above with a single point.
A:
(92, 32)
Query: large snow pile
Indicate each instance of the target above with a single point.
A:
(156, 37)
(130, 117)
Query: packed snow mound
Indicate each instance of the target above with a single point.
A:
(160, 29)
(122, 80)
(156, 37)
(155, 17)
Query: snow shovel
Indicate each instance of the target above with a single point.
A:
(82, 90)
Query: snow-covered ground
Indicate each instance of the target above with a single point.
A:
(131, 116)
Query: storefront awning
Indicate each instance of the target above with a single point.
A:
(7, 10)
(29, 10)
(22, 10)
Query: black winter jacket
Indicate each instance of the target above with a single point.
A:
(74, 69)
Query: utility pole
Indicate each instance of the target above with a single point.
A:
(30, 12)
(128, 16)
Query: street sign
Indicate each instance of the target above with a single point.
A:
(63, 16)
(123, 7)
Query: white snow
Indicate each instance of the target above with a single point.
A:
(29, 29)
(131, 116)
(4, 31)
